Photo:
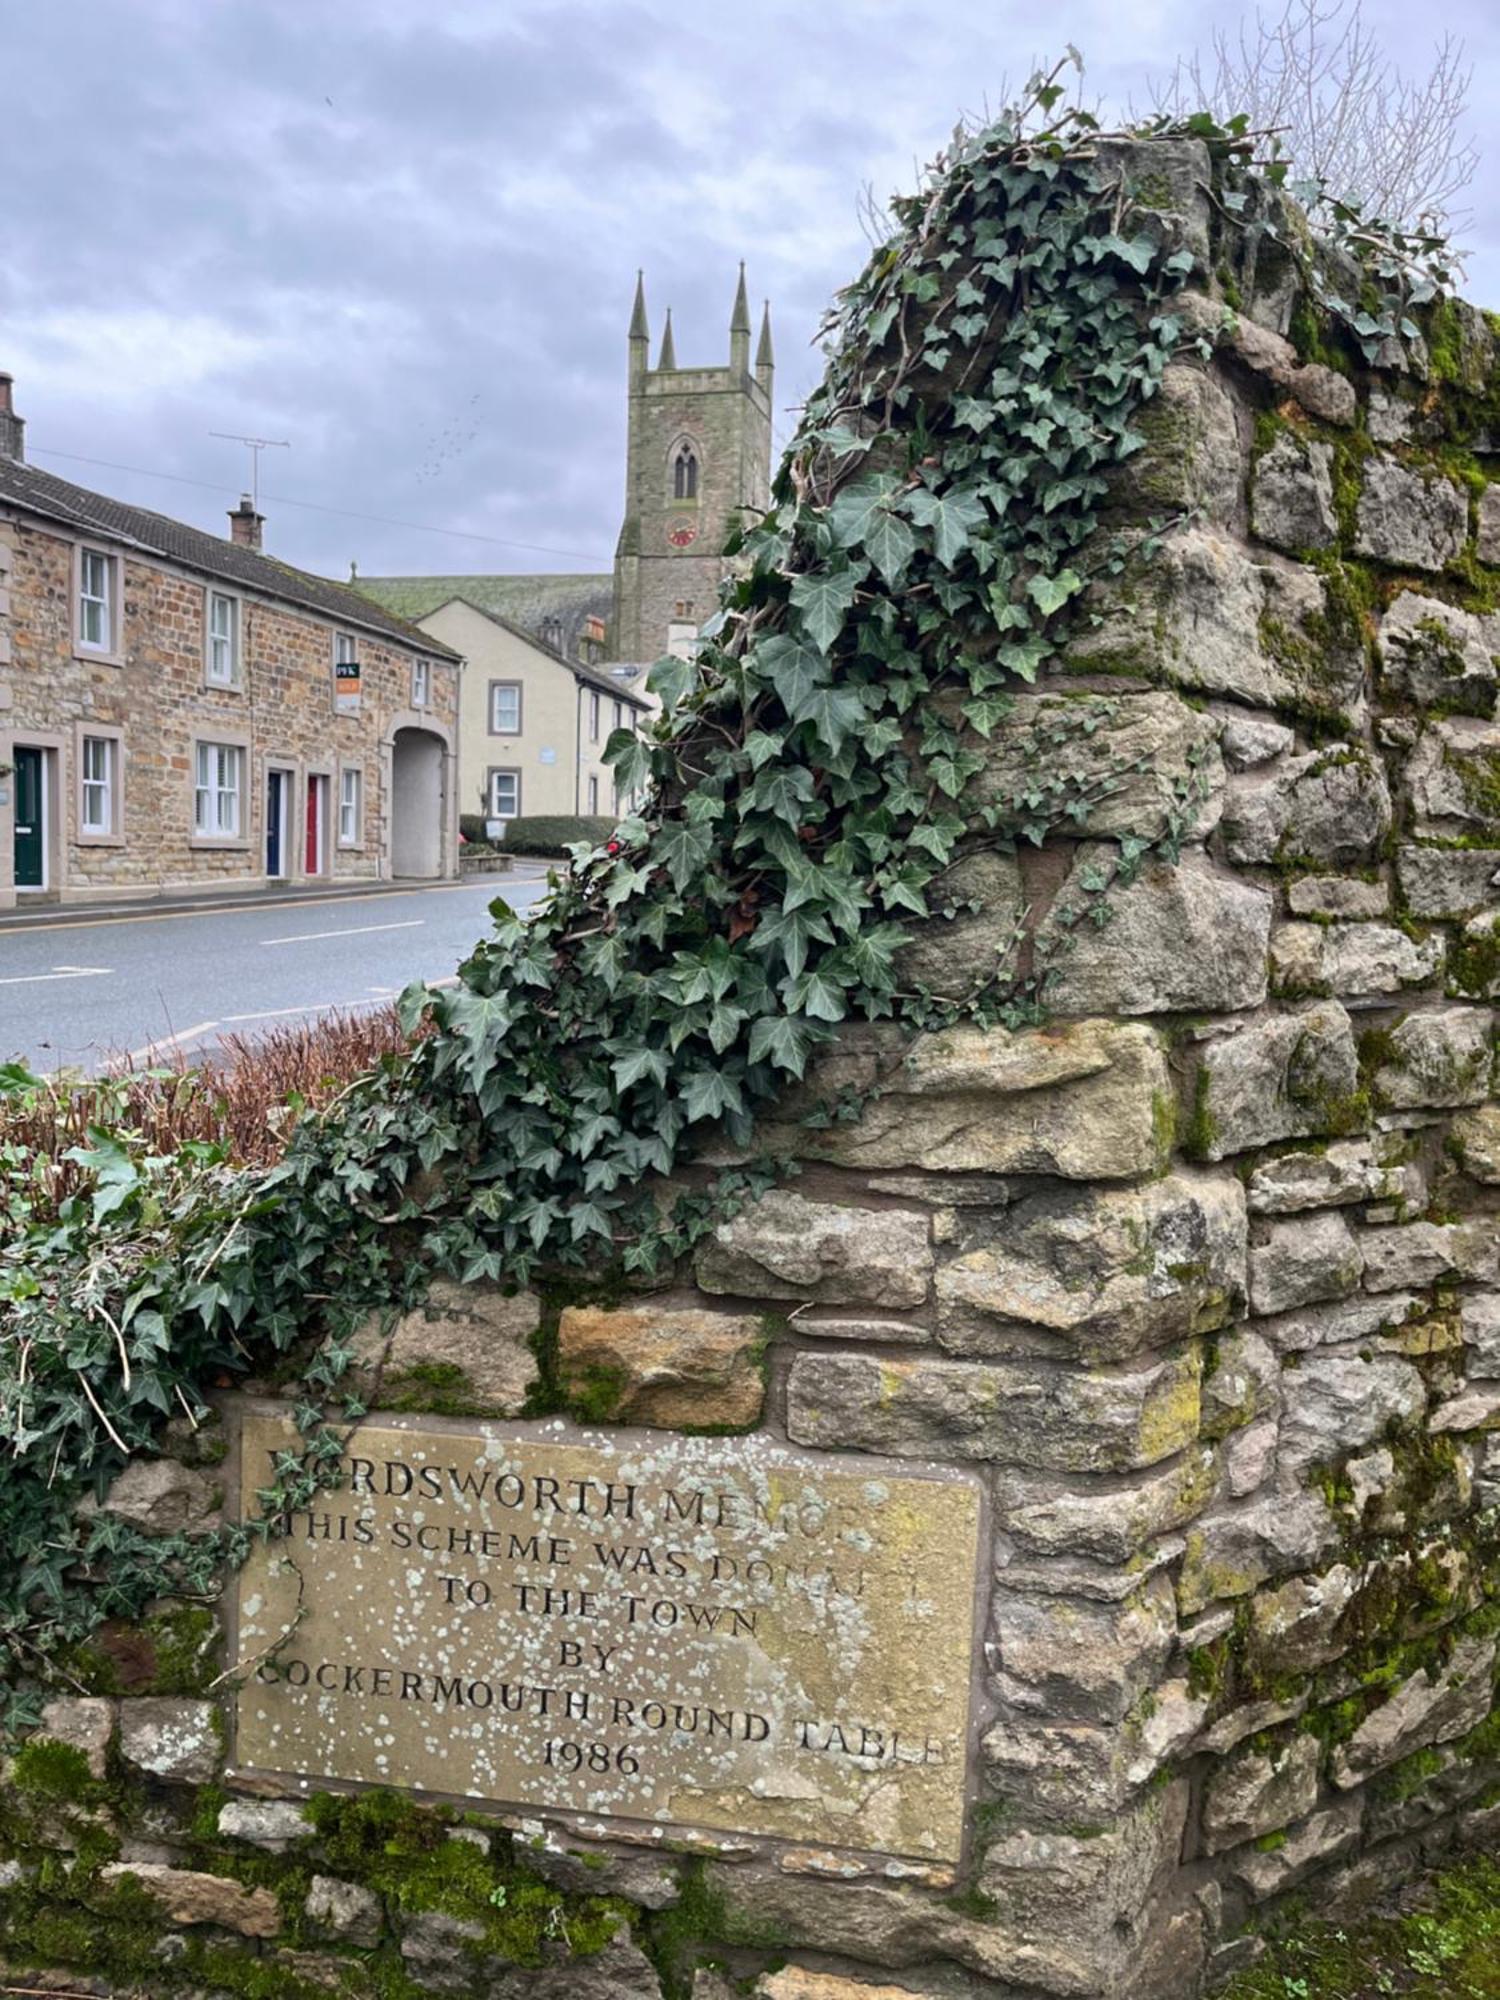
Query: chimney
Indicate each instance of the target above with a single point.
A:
(245, 524)
(12, 427)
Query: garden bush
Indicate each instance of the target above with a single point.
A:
(554, 833)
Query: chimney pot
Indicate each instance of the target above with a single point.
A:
(245, 524)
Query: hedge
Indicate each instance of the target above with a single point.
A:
(553, 833)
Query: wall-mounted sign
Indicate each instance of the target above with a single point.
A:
(346, 687)
(546, 755)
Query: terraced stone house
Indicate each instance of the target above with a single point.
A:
(179, 711)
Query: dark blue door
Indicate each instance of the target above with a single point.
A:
(275, 821)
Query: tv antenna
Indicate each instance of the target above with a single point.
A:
(257, 446)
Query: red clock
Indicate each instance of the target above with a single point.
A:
(683, 535)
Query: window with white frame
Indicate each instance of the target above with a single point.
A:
(682, 639)
(351, 806)
(421, 683)
(505, 794)
(218, 782)
(593, 795)
(345, 649)
(505, 708)
(619, 715)
(593, 718)
(223, 639)
(96, 601)
(98, 781)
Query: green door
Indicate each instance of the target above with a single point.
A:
(31, 830)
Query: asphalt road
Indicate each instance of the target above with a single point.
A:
(74, 995)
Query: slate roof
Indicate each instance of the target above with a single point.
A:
(53, 499)
(525, 601)
(608, 680)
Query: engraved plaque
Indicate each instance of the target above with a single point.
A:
(710, 1632)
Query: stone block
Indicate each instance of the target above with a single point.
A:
(1475, 1141)
(1133, 756)
(188, 1897)
(1082, 1099)
(1298, 1263)
(1075, 1660)
(1420, 1253)
(1409, 518)
(1291, 495)
(1250, 740)
(1244, 1385)
(1069, 1420)
(172, 1739)
(1115, 1525)
(1266, 1872)
(83, 1722)
(1476, 1409)
(345, 1910)
(1427, 1709)
(1335, 1176)
(784, 1246)
(1182, 938)
(273, 1824)
(1337, 896)
(161, 1497)
(1328, 808)
(1433, 655)
(1108, 1273)
(1283, 1077)
(1296, 1627)
(663, 1365)
(1357, 962)
(1232, 1554)
(1449, 881)
(1057, 1774)
(1454, 779)
(472, 1341)
(795, 1982)
(1256, 1792)
(1440, 1057)
(1193, 462)
(1344, 1402)
(1487, 542)
(977, 907)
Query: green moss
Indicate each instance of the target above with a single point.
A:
(1201, 1131)
(594, 1394)
(55, 1771)
(437, 1388)
(185, 1644)
(1404, 1780)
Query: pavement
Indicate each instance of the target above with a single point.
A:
(78, 991)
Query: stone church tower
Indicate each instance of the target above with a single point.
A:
(698, 456)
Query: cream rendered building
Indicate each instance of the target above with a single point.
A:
(532, 724)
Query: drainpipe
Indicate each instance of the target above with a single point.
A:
(577, 747)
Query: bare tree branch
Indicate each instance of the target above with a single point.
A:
(1316, 73)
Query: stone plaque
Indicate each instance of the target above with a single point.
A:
(712, 1632)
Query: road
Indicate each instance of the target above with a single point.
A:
(74, 995)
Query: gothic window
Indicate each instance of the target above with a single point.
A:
(684, 473)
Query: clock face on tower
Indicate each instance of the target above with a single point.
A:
(683, 535)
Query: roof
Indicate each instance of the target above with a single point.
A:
(530, 602)
(54, 499)
(603, 678)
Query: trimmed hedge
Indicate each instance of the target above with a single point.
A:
(551, 834)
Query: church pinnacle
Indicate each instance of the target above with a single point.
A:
(739, 328)
(668, 346)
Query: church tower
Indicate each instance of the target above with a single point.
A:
(698, 457)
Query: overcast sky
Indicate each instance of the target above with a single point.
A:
(403, 234)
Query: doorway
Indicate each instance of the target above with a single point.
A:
(315, 849)
(278, 788)
(417, 804)
(31, 818)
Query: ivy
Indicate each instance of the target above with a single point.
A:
(932, 537)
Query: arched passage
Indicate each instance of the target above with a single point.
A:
(418, 808)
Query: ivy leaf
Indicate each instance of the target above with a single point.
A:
(672, 680)
(794, 669)
(953, 518)
(834, 712)
(782, 1040)
(636, 1063)
(816, 994)
(480, 1020)
(709, 1093)
(824, 597)
(682, 850)
(1051, 593)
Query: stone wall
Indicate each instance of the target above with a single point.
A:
(1201, 1279)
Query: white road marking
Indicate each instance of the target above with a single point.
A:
(170, 1041)
(355, 930)
(57, 972)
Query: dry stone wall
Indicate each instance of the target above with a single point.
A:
(1200, 1279)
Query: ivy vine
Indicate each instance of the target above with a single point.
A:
(933, 535)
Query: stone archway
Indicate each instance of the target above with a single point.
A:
(418, 807)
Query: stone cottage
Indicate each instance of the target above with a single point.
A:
(179, 711)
